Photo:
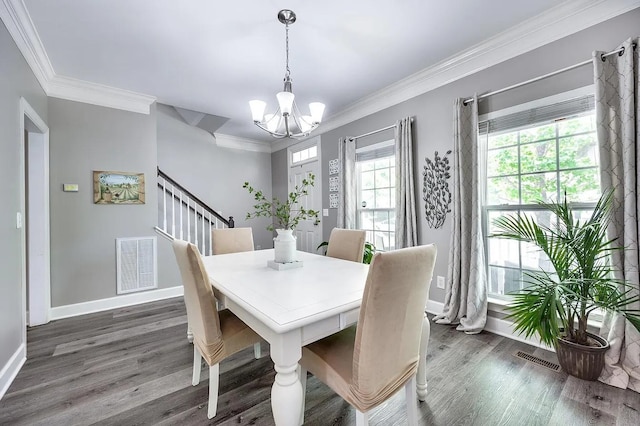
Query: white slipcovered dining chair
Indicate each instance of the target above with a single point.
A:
(231, 240)
(347, 244)
(216, 335)
(366, 364)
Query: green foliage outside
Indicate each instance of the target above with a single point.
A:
(541, 163)
(576, 158)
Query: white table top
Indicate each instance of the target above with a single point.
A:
(284, 300)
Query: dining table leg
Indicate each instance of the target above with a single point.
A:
(189, 333)
(421, 377)
(286, 392)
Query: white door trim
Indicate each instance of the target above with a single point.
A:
(39, 291)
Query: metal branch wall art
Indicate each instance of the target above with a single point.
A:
(435, 190)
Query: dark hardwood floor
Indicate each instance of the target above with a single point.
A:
(132, 366)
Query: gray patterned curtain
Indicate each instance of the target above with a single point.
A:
(618, 126)
(347, 191)
(466, 289)
(406, 228)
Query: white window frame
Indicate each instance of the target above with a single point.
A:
(497, 298)
(360, 209)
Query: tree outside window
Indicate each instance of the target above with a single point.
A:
(542, 162)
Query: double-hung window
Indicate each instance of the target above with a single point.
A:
(376, 206)
(537, 154)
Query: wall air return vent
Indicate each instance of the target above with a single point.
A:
(136, 264)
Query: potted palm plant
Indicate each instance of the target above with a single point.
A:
(367, 255)
(556, 304)
(286, 215)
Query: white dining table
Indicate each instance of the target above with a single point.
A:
(292, 308)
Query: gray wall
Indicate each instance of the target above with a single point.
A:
(214, 174)
(433, 112)
(280, 175)
(16, 81)
(85, 138)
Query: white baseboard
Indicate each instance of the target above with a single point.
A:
(494, 325)
(434, 307)
(90, 307)
(504, 328)
(11, 368)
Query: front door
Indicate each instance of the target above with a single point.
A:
(308, 235)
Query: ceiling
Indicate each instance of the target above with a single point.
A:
(215, 56)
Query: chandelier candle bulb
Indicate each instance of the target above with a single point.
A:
(285, 101)
(317, 110)
(257, 109)
(288, 121)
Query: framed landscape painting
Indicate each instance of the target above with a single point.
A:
(118, 187)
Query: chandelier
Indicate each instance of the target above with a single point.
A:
(288, 121)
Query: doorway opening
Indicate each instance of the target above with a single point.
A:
(33, 217)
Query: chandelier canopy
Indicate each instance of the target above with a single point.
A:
(288, 121)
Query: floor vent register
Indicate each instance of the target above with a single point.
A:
(539, 361)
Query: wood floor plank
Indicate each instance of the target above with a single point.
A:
(450, 376)
(574, 413)
(538, 392)
(132, 366)
(36, 373)
(629, 413)
(106, 338)
(141, 311)
(593, 395)
(89, 412)
(45, 345)
(95, 384)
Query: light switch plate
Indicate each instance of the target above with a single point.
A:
(440, 282)
(325, 212)
(18, 220)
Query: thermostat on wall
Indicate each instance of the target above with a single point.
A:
(70, 187)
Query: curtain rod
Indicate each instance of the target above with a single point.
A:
(542, 77)
(353, 138)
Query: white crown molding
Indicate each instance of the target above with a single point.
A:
(100, 305)
(16, 18)
(19, 24)
(234, 142)
(560, 21)
(98, 94)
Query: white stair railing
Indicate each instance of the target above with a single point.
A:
(182, 215)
